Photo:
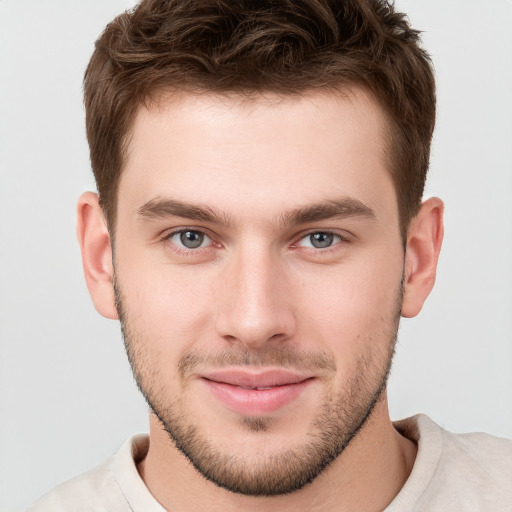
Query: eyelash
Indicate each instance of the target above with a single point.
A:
(185, 250)
(321, 250)
(295, 246)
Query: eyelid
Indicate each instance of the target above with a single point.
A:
(168, 235)
(342, 235)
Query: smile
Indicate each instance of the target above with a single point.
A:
(251, 394)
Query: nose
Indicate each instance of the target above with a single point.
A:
(255, 306)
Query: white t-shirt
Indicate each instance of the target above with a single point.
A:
(452, 472)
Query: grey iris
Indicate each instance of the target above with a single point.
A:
(321, 240)
(191, 239)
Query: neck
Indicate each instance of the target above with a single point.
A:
(366, 476)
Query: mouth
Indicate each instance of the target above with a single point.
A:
(256, 394)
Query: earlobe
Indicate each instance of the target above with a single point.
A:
(424, 240)
(94, 240)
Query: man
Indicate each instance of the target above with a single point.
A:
(258, 232)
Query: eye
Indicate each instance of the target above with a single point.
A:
(189, 239)
(320, 240)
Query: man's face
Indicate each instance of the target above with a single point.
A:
(258, 275)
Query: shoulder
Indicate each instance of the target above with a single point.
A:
(94, 490)
(483, 466)
(114, 486)
(470, 472)
(484, 451)
(483, 454)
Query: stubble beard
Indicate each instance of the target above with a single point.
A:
(339, 420)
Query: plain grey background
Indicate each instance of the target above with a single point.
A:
(67, 399)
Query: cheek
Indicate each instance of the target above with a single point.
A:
(164, 318)
(352, 307)
(179, 308)
(167, 307)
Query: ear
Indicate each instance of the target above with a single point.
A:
(94, 241)
(424, 240)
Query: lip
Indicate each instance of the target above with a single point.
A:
(256, 393)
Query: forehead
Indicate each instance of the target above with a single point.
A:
(237, 153)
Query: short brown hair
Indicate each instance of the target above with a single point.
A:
(252, 46)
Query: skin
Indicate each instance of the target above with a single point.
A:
(257, 285)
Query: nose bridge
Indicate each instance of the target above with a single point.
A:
(255, 308)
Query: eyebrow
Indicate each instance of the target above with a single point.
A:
(347, 207)
(342, 208)
(162, 208)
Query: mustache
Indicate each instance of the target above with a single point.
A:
(284, 357)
